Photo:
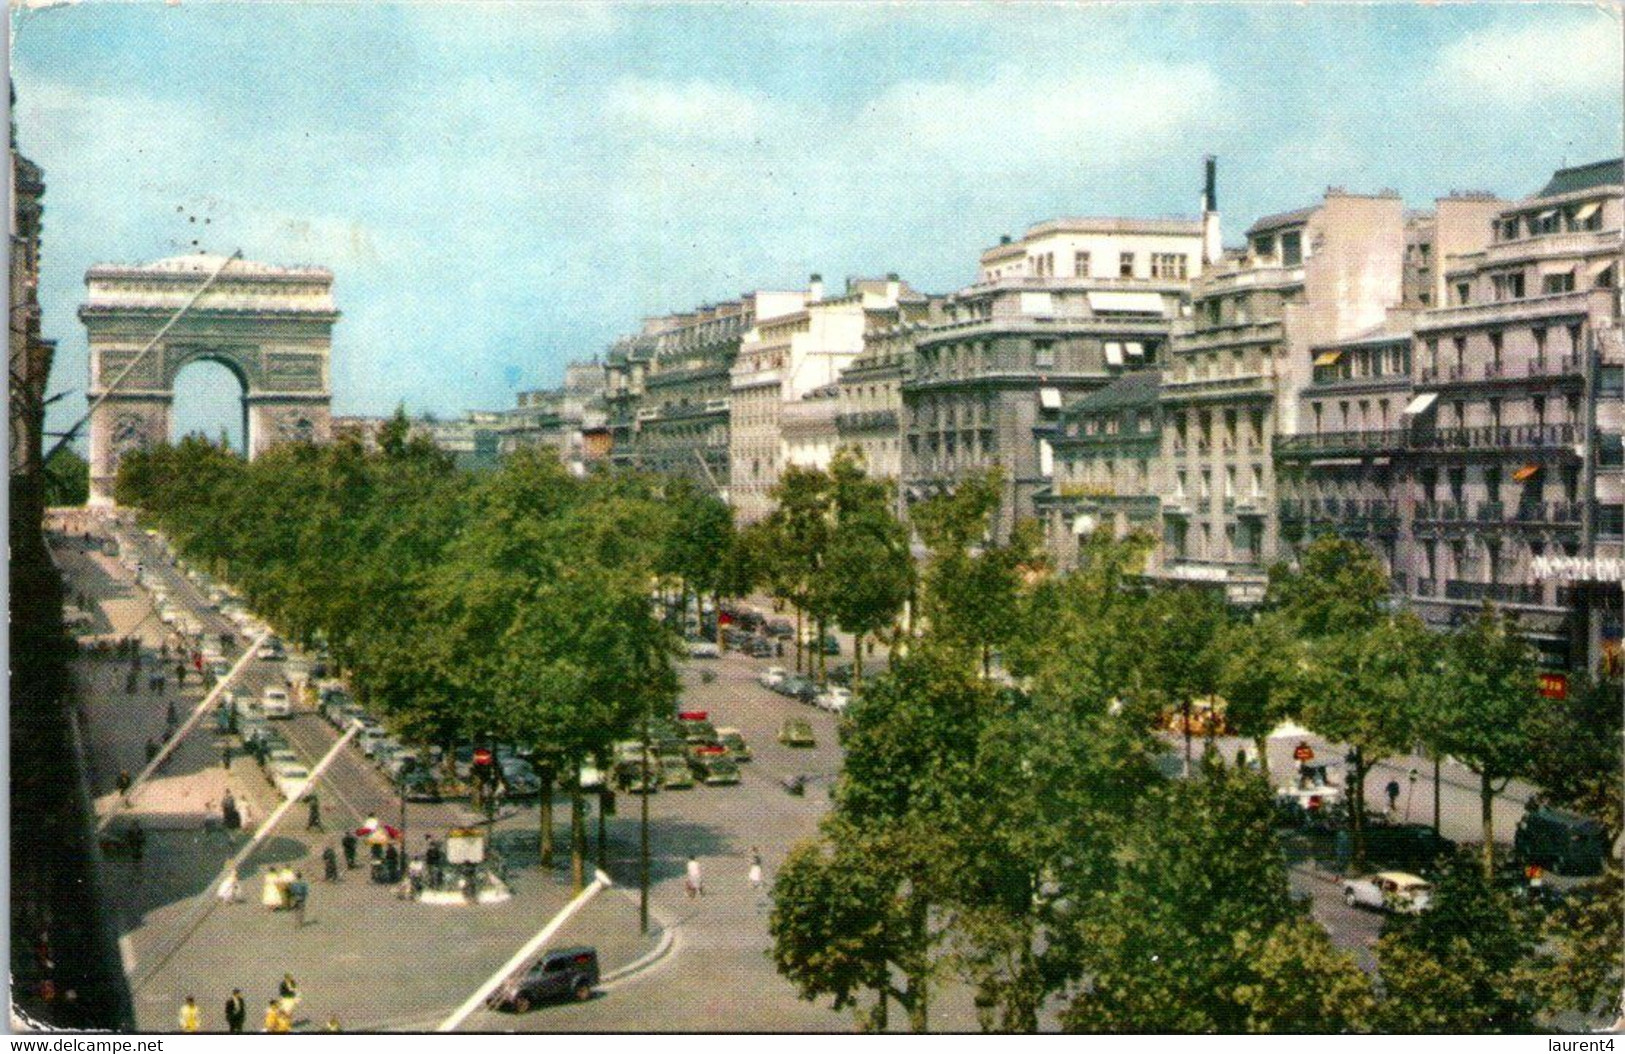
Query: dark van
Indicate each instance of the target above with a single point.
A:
(567, 973)
(1565, 843)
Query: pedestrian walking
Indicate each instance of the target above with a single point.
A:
(695, 882)
(1393, 795)
(755, 868)
(129, 683)
(228, 811)
(169, 714)
(236, 1011)
(123, 782)
(298, 893)
(432, 860)
(152, 748)
(225, 756)
(138, 842)
(271, 889)
(313, 820)
(231, 888)
(289, 991)
(330, 864)
(348, 842)
(191, 1018)
(180, 675)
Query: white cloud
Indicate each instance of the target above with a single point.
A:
(1575, 58)
(695, 110)
(1038, 117)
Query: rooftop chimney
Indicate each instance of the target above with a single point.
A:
(815, 288)
(1004, 239)
(1212, 245)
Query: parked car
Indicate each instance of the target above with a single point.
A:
(1563, 842)
(770, 677)
(1407, 846)
(271, 650)
(790, 684)
(835, 699)
(291, 780)
(568, 973)
(749, 620)
(831, 645)
(633, 777)
(735, 637)
(797, 733)
(276, 704)
(712, 766)
(760, 648)
(781, 628)
(703, 649)
(674, 774)
(734, 740)
(804, 691)
(520, 779)
(1392, 891)
(841, 675)
(418, 784)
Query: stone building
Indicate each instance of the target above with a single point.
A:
(1512, 439)
(869, 418)
(1066, 309)
(1106, 468)
(1305, 279)
(808, 428)
(781, 360)
(29, 353)
(1341, 470)
(570, 419)
(668, 388)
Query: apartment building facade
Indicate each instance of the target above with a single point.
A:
(1065, 310)
(870, 411)
(784, 358)
(1306, 278)
(1513, 441)
(1107, 472)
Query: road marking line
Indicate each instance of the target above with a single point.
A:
(475, 1001)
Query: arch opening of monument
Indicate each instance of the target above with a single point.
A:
(271, 327)
(210, 402)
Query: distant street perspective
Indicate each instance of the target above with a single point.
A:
(471, 573)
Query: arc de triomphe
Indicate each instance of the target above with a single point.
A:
(271, 326)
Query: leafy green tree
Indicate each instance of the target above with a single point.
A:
(1174, 664)
(845, 922)
(1466, 965)
(1338, 586)
(1575, 746)
(867, 573)
(1258, 666)
(67, 478)
(1484, 703)
(1587, 969)
(1362, 687)
(1298, 982)
(1200, 881)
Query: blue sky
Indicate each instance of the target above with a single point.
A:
(502, 188)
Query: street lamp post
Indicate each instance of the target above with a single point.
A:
(643, 832)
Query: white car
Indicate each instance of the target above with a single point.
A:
(1394, 891)
(271, 649)
(770, 677)
(275, 703)
(835, 699)
(703, 649)
(290, 781)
